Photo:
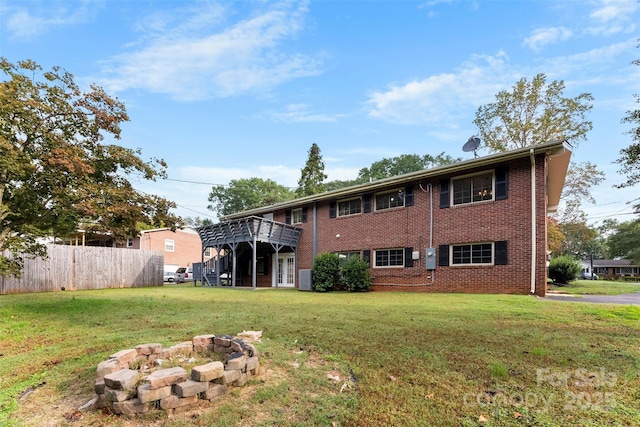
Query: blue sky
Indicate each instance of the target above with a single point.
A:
(235, 89)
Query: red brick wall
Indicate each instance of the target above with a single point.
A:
(490, 221)
(187, 246)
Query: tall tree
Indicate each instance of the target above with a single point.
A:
(244, 194)
(405, 163)
(581, 177)
(579, 238)
(623, 242)
(630, 156)
(55, 171)
(555, 237)
(312, 177)
(533, 113)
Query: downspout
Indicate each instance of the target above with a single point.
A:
(315, 230)
(430, 187)
(533, 221)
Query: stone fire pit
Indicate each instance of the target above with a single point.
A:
(133, 381)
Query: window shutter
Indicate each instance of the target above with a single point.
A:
(366, 257)
(304, 214)
(500, 252)
(408, 195)
(444, 194)
(367, 202)
(502, 186)
(332, 209)
(287, 216)
(443, 255)
(408, 257)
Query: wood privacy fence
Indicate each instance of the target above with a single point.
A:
(86, 267)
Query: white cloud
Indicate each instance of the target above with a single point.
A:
(28, 23)
(584, 64)
(441, 99)
(299, 113)
(242, 57)
(613, 10)
(544, 36)
(613, 17)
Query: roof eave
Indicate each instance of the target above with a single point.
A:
(552, 148)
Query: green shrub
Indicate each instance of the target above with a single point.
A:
(325, 275)
(564, 269)
(355, 275)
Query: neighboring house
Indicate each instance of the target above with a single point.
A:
(473, 226)
(85, 238)
(612, 268)
(181, 247)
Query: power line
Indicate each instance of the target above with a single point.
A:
(195, 182)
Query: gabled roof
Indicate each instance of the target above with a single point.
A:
(558, 153)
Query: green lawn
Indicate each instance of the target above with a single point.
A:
(597, 287)
(403, 359)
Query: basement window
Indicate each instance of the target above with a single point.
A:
(389, 257)
(472, 254)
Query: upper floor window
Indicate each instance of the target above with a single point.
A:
(296, 216)
(389, 200)
(389, 257)
(474, 188)
(349, 207)
(169, 245)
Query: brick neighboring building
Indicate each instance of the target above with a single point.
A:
(181, 248)
(475, 226)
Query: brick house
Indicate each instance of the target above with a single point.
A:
(611, 269)
(474, 226)
(181, 248)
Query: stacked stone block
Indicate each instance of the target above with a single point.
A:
(127, 391)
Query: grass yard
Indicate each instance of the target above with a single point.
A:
(403, 359)
(597, 287)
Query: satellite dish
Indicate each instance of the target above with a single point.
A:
(472, 144)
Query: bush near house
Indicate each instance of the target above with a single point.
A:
(355, 275)
(325, 273)
(564, 269)
(330, 273)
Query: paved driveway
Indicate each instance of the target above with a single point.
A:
(632, 299)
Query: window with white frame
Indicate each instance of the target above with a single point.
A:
(296, 216)
(389, 257)
(349, 207)
(390, 199)
(472, 254)
(169, 245)
(207, 252)
(473, 188)
(129, 242)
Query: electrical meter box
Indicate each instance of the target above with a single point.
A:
(430, 258)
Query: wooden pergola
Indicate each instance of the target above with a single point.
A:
(252, 230)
